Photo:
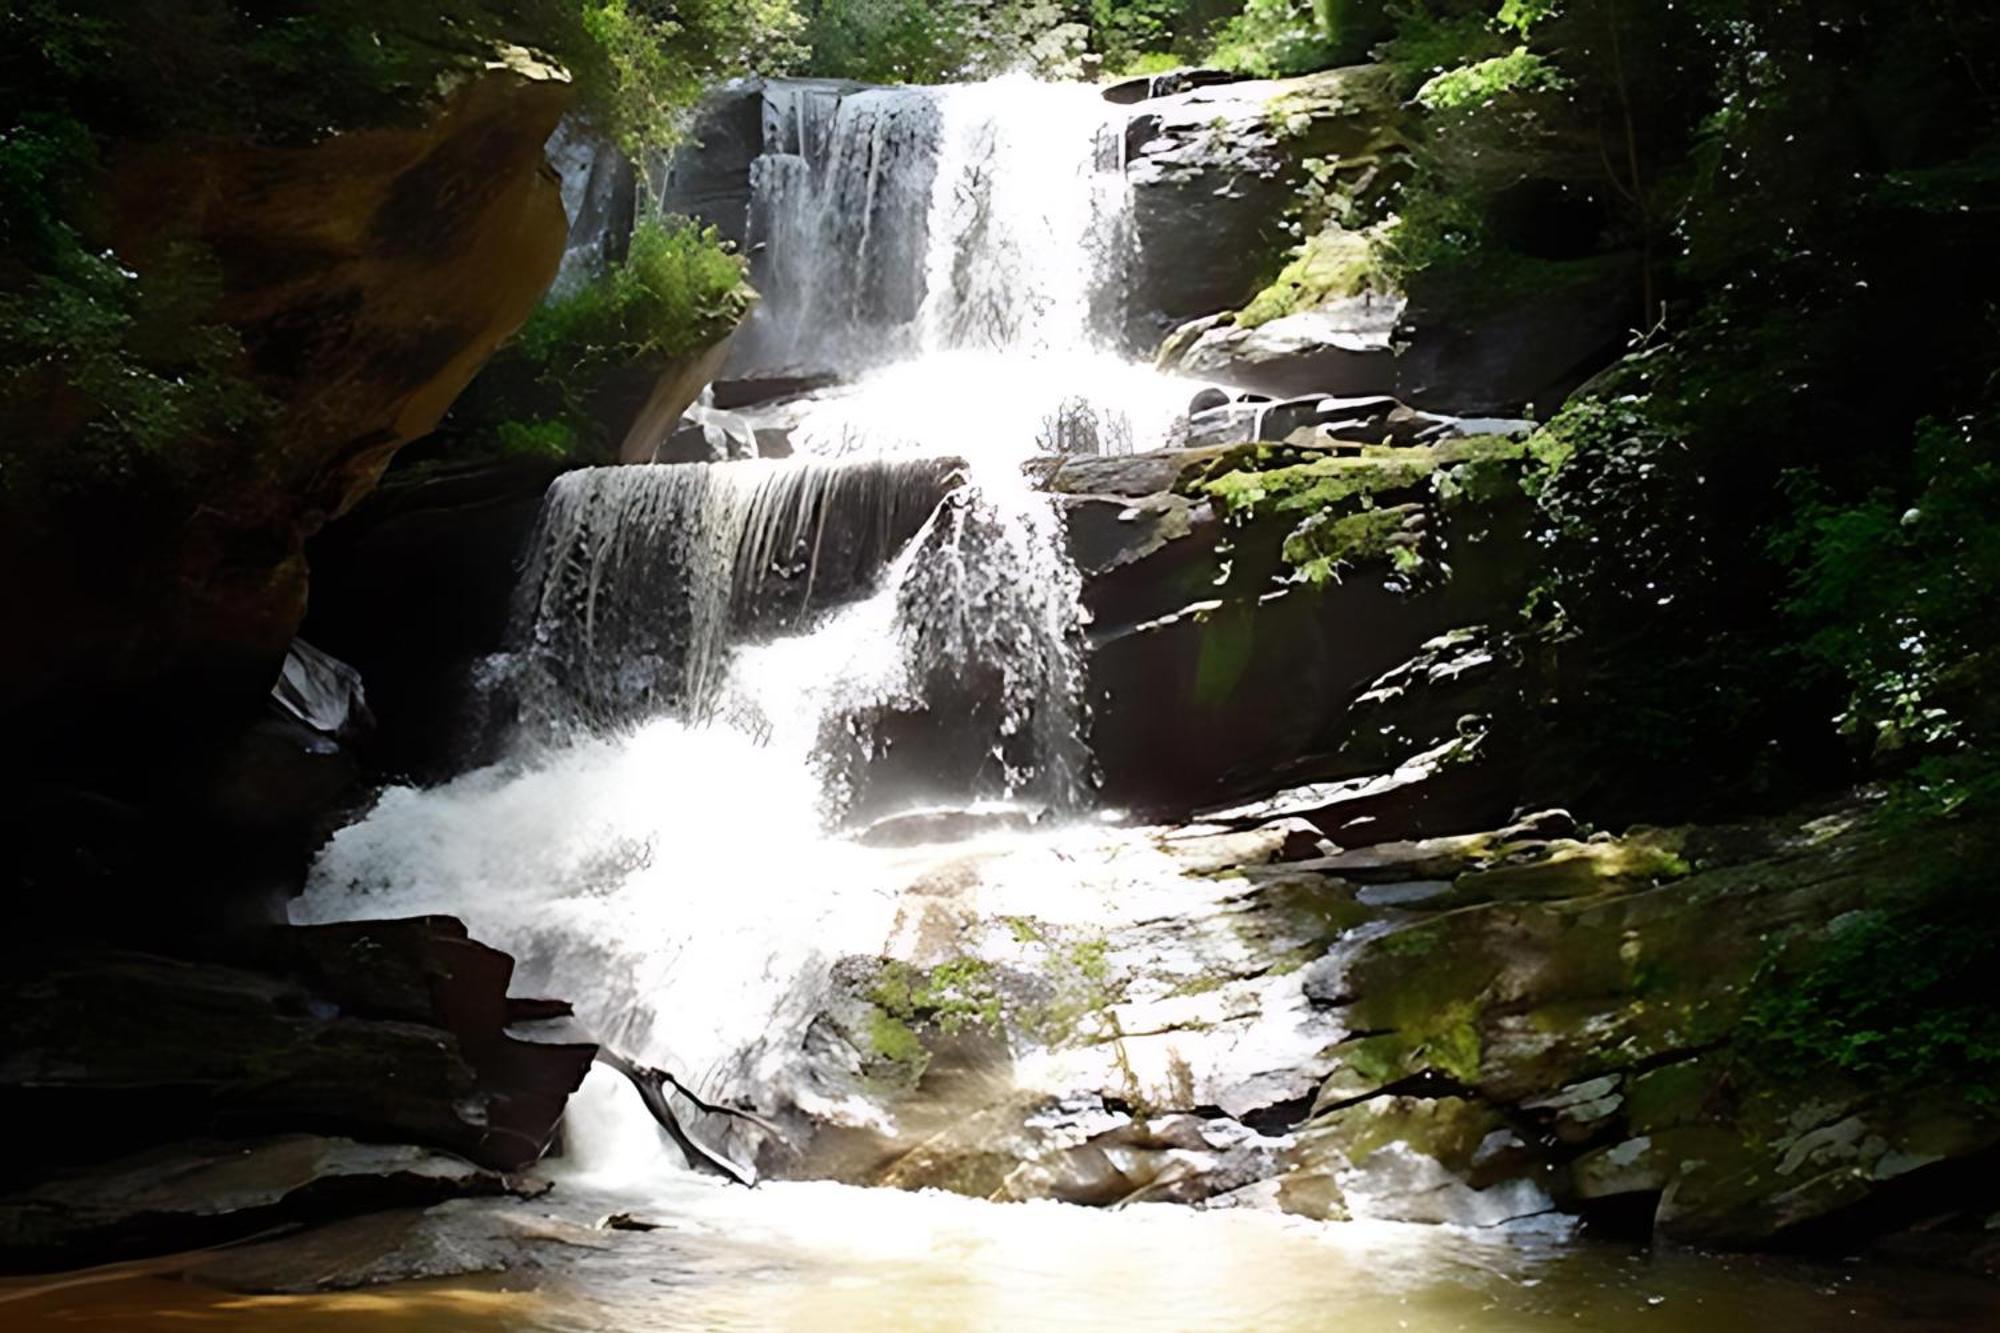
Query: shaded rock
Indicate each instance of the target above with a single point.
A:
(370, 274)
(451, 1239)
(415, 587)
(398, 1031)
(197, 1194)
(1201, 612)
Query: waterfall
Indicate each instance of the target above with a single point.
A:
(894, 223)
(718, 672)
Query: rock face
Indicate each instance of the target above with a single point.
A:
(1214, 170)
(1276, 601)
(370, 274)
(395, 1032)
(1474, 1029)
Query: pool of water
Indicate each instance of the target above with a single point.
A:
(827, 1257)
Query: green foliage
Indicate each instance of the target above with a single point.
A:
(1276, 38)
(1896, 995)
(679, 289)
(131, 365)
(1480, 84)
(644, 62)
(120, 356)
(1893, 593)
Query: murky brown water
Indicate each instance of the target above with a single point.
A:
(830, 1258)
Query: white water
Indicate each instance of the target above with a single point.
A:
(715, 666)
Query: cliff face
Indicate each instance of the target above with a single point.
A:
(369, 276)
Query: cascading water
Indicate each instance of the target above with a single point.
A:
(716, 669)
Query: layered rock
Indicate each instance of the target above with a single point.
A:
(394, 1032)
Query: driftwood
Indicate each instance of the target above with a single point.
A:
(653, 1084)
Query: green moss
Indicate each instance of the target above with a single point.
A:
(1245, 488)
(893, 1040)
(1325, 545)
(1416, 942)
(954, 995)
(1332, 264)
(1079, 973)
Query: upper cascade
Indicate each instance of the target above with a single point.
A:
(893, 223)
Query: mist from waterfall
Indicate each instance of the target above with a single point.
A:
(718, 671)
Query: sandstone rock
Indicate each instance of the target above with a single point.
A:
(370, 274)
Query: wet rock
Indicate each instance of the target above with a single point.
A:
(1126, 92)
(1344, 347)
(451, 1239)
(600, 190)
(707, 435)
(197, 1194)
(917, 828)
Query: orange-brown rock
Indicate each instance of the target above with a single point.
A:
(370, 274)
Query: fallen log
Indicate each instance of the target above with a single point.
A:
(653, 1084)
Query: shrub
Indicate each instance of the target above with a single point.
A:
(679, 288)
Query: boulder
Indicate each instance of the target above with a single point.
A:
(1591, 1012)
(369, 274)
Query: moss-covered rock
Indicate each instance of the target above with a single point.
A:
(1594, 997)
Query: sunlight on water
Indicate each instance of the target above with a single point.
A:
(832, 1258)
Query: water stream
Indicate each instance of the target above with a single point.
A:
(720, 672)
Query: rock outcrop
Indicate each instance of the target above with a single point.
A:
(389, 1032)
(1273, 600)
(1475, 1029)
(369, 275)
(1214, 171)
